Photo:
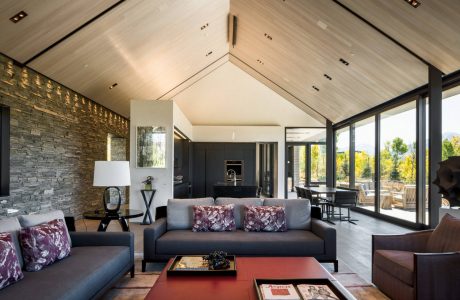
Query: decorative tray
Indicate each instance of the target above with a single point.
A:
(321, 288)
(192, 265)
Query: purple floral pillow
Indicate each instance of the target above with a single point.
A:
(264, 218)
(44, 244)
(10, 270)
(213, 218)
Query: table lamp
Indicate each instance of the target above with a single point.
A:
(111, 174)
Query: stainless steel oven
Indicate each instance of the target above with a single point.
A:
(234, 170)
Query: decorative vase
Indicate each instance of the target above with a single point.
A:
(148, 187)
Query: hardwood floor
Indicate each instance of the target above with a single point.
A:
(353, 241)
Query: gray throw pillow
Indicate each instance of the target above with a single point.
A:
(180, 213)
(12, 226)
(33, 220)
(298, 212)
(238, 211)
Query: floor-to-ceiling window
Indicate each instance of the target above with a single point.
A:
(398, 133)
(342, 157)
(365, 162)
(306, 158)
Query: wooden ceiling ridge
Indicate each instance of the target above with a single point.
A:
(110, 8)
(381, 32)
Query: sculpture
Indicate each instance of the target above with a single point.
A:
(448, 180)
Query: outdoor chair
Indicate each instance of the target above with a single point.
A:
(366, 196)
(406, 199)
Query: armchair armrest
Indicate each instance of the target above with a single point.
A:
(436, 275)
(328, 234)
(414, 241)
(151, 234)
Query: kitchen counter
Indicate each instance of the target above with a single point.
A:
(229, 189)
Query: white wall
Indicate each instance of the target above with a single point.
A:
(246, 134)
(181, 122)
(151, 113)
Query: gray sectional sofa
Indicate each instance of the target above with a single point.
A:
(97, 260)
(306, 236)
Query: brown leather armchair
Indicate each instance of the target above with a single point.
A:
(408, 267)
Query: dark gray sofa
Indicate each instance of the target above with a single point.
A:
(306, 236)
(96, 262)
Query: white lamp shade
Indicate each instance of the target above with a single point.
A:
(111, 173)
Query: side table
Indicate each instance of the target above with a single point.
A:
(105, 218)
(147, 206)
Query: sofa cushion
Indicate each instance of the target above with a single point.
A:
(213, 218)
(238, 211)
(10, 270)
(445, 237)
(399, 264)
(44, 244)
(80, 276)
(12, 225)
(180, 214)
(265, 218)
(33, 220)
(289, 243)
(298, 212)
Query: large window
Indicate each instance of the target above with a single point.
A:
(318, 163)
(398, 162)
(365, 162)
(342, 157)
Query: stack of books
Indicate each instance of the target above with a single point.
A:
(303, 292)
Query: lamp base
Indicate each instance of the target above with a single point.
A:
(106, 201)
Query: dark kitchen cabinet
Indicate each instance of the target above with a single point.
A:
(209, 165)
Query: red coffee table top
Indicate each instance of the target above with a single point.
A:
(241, 286)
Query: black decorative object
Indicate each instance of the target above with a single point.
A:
(448, 180)
(217, 260)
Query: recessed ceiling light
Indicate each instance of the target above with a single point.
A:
(204, 26)
(413, 3)
(209, 53)
(328, 77)
(18, 17)
(260, 62)
(315, 88)
(343, 61)
(113, 85)
(268, 36)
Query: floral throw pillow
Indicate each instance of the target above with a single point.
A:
(213, 218)
(264, 218)
(10, 270)
(44, 244)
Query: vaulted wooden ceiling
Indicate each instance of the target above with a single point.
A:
(154, 49)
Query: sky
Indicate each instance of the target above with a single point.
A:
(401, 124)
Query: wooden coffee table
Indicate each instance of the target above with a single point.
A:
(241, 286)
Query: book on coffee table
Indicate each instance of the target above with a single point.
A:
(279, 292)
(316, 292)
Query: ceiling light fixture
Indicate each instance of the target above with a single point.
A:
(343, 61)
(204, 26)
(328, 77)
(260, 62)
(413, 3)
(18, 17)
(113, 85)
(268, 36)
(315, 88)
(209, 53)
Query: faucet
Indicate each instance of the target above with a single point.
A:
(232, 174)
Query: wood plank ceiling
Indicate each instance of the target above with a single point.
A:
(300, 43)
(153, 49)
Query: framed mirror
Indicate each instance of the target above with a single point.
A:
(150, 147)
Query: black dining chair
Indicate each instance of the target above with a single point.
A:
(344, 199)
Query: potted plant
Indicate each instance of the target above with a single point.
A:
(148, 183)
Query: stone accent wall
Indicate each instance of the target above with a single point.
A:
(56, 135)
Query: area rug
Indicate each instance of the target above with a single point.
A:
(137, 288)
